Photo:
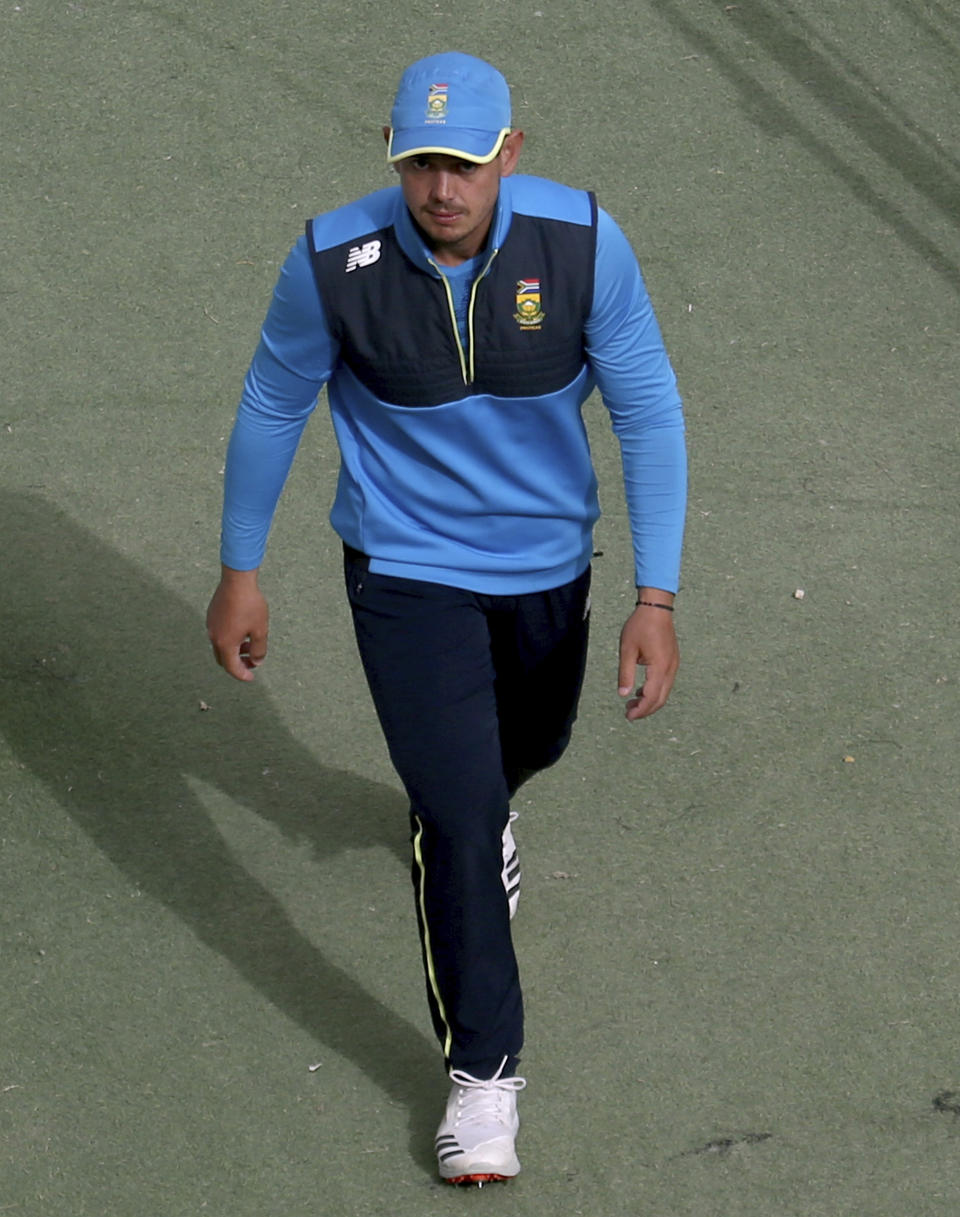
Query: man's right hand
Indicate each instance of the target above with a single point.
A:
(237, 623)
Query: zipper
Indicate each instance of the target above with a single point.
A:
(467, 372)
(453, 320)
(473, 297)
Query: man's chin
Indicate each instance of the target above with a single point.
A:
(442, 238)
(444, 233)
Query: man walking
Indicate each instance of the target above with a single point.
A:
(459, 321)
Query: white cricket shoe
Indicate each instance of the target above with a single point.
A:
(511, 867)
(475, 1140)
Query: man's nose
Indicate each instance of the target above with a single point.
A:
(443, 186)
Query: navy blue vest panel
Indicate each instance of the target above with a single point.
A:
(393, 322)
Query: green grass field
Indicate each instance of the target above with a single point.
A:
(739, 931)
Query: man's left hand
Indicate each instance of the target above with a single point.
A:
(648, 640)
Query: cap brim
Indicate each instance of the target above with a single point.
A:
(481, 147)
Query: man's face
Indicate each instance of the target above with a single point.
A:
(453, 201)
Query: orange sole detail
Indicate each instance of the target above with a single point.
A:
(479, 1180)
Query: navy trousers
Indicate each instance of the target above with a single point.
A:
(474, 694)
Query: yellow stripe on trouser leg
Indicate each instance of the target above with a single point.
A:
(427, 952)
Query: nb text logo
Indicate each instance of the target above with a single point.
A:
(363, 255)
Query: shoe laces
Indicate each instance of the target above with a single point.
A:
(481, 1099)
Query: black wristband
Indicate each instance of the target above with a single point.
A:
(653, 604)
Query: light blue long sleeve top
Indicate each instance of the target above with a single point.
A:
(492, 494)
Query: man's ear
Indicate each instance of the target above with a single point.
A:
(510, 152)
(386, 135)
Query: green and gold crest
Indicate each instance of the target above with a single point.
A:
(529, 312)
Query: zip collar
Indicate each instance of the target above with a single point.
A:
(467, 367)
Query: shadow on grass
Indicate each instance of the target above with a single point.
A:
(828, 72)
(97, 699)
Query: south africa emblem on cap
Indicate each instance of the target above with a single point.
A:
(437, 98)
(529, 314)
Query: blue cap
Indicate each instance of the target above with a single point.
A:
(452, 104)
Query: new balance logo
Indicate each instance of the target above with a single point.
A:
(363, 255)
